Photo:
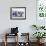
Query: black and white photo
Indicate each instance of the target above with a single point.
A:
(17, 13)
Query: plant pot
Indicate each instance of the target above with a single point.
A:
(40, 41)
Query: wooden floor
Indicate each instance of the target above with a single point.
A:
(13, 44)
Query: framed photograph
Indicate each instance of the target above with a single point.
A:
(41, 12)
(18, 13)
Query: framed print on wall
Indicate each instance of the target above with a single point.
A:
(18, 13)
(41, 8)
(41, 12)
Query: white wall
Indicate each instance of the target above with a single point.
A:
(24, 25)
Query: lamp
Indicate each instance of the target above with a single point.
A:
(14, 30)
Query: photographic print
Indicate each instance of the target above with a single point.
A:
(18, 13)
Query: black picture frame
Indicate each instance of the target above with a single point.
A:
(18, 13)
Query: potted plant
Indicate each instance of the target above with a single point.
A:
(39, 35)
(35, 26)
(42, 27)
(38, 27)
